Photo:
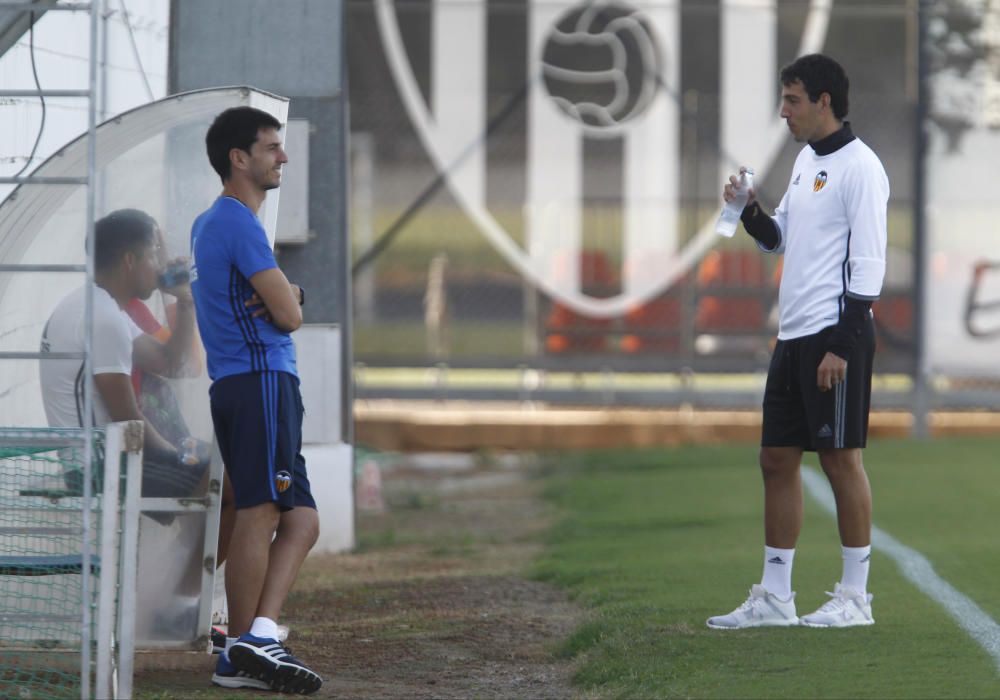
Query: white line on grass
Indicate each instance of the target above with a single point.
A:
(919, 571)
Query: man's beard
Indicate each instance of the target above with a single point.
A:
(270, 184)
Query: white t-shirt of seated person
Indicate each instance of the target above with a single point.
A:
(111, 353)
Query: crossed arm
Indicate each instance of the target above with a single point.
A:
(280, 300)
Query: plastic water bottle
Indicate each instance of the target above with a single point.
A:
(730, 216)
(188, 452)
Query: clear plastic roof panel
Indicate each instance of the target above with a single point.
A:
(150, 158)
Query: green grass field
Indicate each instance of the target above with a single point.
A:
(651, 543)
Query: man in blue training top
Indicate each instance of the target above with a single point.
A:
(246, 311)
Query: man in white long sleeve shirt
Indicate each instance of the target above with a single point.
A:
(831, 228)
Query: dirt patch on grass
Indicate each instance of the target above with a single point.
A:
(461, 636)
(435, 602)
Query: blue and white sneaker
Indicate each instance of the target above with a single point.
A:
(219, 637)
(227, 676)
(267, 660)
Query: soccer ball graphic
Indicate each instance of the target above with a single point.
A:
(601, 64)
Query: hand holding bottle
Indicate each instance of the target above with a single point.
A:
(739, 193)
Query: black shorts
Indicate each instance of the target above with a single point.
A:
(258, 423)
(798, 414)
(163, 478)
(162, 475)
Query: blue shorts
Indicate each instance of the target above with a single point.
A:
(258, 423)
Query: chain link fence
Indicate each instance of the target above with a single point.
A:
(439, 290)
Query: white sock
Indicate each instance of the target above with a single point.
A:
(777, 577)
(856, 561)
(264, 627)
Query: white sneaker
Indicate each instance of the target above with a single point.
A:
(846, 608)
(761, 609)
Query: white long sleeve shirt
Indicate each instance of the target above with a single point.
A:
(832, 221)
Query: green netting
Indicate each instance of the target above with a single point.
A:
(41, 562)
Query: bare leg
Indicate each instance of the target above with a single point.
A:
(297, 533)
(248, 565)
(780, 467)
(227, 518)
(850, 486)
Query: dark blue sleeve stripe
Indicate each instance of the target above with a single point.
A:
(234, 306)
(248, 291)
(244, 320)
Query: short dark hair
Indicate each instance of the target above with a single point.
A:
(237, 127)
(819, 74)
(122, 231)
